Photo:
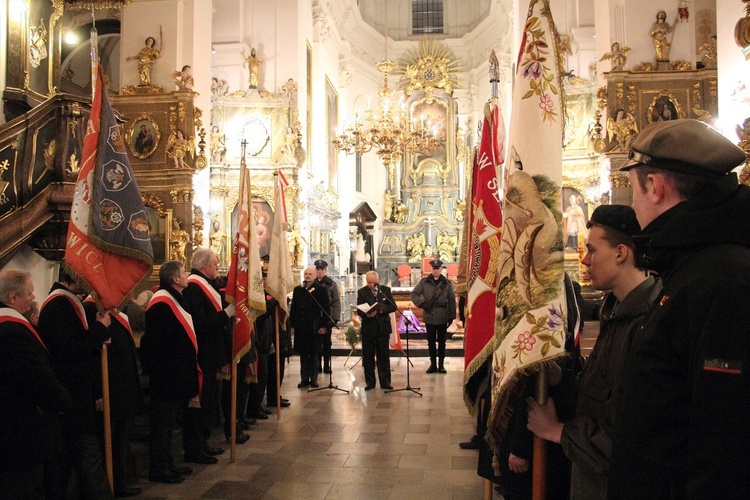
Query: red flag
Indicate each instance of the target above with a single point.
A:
(279, 279)
(483, 247)
(108, 246)
(245, 280)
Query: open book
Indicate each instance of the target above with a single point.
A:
(366, 308)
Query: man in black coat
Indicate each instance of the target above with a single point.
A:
(334, 297)
(74, 347)
(125, 395)
(681, 429)
(169, 352)
(212, 317)
(376, 330)
(31, 395)
(308, 319)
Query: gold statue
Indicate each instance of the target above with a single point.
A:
(388, 204)
(218, 145)
(415, 246)
(217, 238)
(659, 32)
(253, 65)
(459, 211)
(178, 240)
(617, 56)
(447, 246)
(177, 147)
(623, 128)
(184, 79)
(400, 212)
(709, 53)
(146, 58)
(285, 154)
(296, 246)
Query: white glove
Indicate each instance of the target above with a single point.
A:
(229, 310)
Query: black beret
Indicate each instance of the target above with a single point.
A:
(321, 264)
(618, 217)
(684, 146)
(436, 264)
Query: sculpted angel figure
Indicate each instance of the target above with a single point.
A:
(618, 57)
(623, 128)
(184, 79)
(177, 147)
(147, 56)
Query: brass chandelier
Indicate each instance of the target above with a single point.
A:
(387, 128)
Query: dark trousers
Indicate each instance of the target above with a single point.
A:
(271, 386)
(120, 449)
(258, 389)
(209, 401)
(308, 367)
(324, 359)
(193, 442)
(162, 419)
(22, 483)
(81, 452)
(373, 345)
(226, 400)
(436, 333)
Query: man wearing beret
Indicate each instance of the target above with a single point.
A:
(334, 297)
(586, 439)
(434, 295)
(681, 428)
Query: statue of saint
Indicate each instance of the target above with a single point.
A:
(253, 66)
(388, 205)
(184, 79)
(177, 147)
(400, 212)
(709, 53)
(217, 238)
(415, 247)
(218, 145)
(146, 58)
(296, 246)
(178, 240)
(659, 33)
(623, 128)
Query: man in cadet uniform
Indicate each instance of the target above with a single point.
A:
(334, 297)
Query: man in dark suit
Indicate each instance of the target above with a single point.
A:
(169, 353)
(334, 297)
(309, 320)
(30, 393)
(376, 330)
(212, 317)
(74, 346)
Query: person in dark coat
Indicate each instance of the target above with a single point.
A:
(308, 319)
(264, 333)
(169, 352)
(681, 428)
(434, 295)
(31, 395)
(125, 396)
(376, 330)
(74, 347)
(586, 439)
(212, 317)
(334, 297)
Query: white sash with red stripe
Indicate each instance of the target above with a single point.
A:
(184, 317)
(74, 301)
(210, 291)
(9, 314)
(123, 319)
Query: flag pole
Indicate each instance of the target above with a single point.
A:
(107, 418)
(278, 366)
(539, 465)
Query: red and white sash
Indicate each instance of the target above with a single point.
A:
(75, 302)
(210, 291)
(9, 314)
(185, 319)
(123, 319)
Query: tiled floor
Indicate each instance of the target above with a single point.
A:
(361, 445)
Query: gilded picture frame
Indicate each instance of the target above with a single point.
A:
(664, 107)
(143, 136)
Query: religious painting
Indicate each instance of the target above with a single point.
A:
(435, 168)
(263, 217)
(158, 223)
(143, 136)
(575, 217)
(664, 107)
(332, 123)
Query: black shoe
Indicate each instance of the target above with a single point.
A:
(369, 387)
(249, 421)
(260, 416)
(244, 425)
(267, 412)
(127, 492)
(302, 385)
(441, 369)
(432, 369)
(314, 384)
(284, 400)
(166, 477)
(284, 404)
(180, 471)
(213, 451)
(471, 444)
(386, 387)
(201, 459)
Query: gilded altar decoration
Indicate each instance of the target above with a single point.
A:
(623, 129)
(143, 136)
(197, 227)
(3, 183)
(389, 201)
(285, 154)
(178, 146)
(178, 240)
(664, 107)
(219, 88)
(146, 58)
(742, 31)
(401, 212)
(253, 66)
(218, 145)
(708, 51)
(217, 240)
(184, 78)
(447, 244)
(660, 32)
(37, 44)
(431, 67)
(618, 56)
(743, 132)
(71, 172)
(415, 246)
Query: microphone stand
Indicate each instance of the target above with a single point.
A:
(330, 375)
(408, 387)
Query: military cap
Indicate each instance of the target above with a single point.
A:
(321, 264)
(618, 217)
(684, 146)
(436, 264)
(265, 258)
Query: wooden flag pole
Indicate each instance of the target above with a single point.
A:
(233, 414)
(539, 466)
(278, 365)
(107, 418)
